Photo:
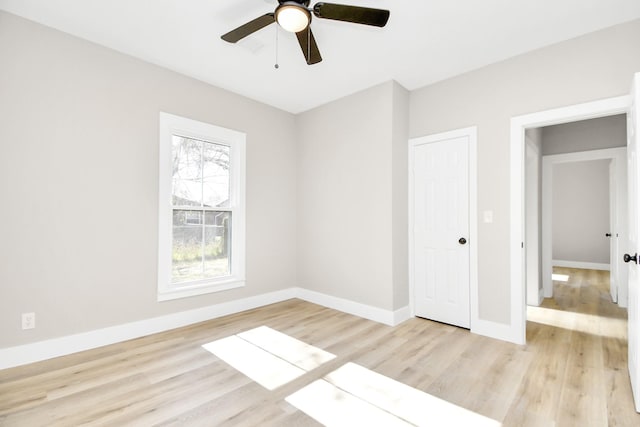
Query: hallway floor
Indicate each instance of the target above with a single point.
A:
(580, 376)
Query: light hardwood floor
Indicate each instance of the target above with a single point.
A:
(573, 375)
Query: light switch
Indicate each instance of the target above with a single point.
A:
(488, 216)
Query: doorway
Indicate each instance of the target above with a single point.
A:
(575, 202)
(603, 108)
(584, 214)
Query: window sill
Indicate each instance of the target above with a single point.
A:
(186, 291)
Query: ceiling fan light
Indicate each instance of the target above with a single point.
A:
(293, 18)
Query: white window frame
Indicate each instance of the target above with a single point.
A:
(171, 125)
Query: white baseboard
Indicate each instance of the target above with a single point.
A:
(376, 314)
(580, 264)
(48, 349)
(401, 315)
(499, 331)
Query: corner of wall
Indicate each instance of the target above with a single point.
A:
(400, 196)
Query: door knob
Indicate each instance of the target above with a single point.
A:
(608, 234)
(633, 258)
(462, 241)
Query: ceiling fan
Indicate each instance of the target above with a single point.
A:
(295, 16)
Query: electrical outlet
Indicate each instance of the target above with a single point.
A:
(28, 320)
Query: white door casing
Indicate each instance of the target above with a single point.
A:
(440, 228)
(515, 331)
(613, 234)
(633, 142)
(532, 221)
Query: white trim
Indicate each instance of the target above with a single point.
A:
(401, 315)
(410, 186)
(618, 155)
(499, 331)
(580, 264)
(589, 110)
(472, 134)
(48, 349)
(170, 125)
(547, 240)
(376, 314)
(474, 319)
(533, 198)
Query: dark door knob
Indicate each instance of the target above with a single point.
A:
(628, 258)
(462, 241)
(608, 234)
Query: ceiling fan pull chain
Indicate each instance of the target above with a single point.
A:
(276, 66)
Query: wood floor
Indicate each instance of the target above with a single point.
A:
(573, 375)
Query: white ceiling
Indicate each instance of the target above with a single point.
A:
(425, 40)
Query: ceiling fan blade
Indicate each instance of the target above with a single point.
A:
(356, 14)
(249, 28)
(309, 46)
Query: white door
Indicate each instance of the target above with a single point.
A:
(441, 230)
(613, 232)
(633, 140)
(531, 221)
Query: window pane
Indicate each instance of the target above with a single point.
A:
(187, 246)
(200, 250)
(215, 175)
(187, 171)
(217, 259)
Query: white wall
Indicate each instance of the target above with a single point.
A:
(595, 66)
(585, 192)
(580, 211)
(78, 183)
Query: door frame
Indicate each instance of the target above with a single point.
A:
(472, 134)
(533, 244)
(584, 111)
(617, 206)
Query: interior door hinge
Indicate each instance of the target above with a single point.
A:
(522, 245)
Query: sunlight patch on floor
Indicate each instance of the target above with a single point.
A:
(560, 277)
(296, 352)
(267, 356)
(354, 395)
(333, 407)
(588, 323)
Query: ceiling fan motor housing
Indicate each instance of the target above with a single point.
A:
(304, 3)
(293, 16)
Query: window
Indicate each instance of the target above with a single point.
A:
(201, 208)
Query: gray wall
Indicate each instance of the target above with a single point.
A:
(581, 189)
(400, 196)
(580, 211)
(78, 181)
(325, 190)
(595, 66)
(585, 135)
(352, 197)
